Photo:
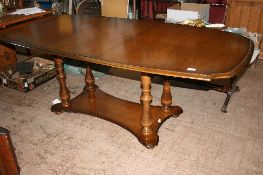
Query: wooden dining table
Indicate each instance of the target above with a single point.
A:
(149, 47)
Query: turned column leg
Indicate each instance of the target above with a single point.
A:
(61, 77)
(149, 137)
(166, 98)
(89, 79)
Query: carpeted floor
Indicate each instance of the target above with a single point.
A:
(202, 140)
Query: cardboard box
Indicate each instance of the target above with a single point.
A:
(27, 82)
(188, 11)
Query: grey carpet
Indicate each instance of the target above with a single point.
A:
(202, 140)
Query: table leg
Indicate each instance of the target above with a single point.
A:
(166, 99)
(229, 91)
(149, 137)
(143, 120)
(89, 79)
(61, 77)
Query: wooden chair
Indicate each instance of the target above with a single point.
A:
(159, 8)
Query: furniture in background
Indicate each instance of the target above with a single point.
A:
(217, 9)
(8, 160)
(21, 4)
(89, 7)
(187, 11)
(12, 4)
(43, 4)
(217, 12)
(248, 14)
(138, 46)
(7, 60)
(8, 52)
(115, 8)
(7, 20)
(159, 8)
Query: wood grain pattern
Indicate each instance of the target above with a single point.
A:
(146, 47)
(61, 77)
(146, 121)
(256, 14)
(256, 24)
(239, 15)
(246, 13)
(137, 45)
(7, 20)
(166, 99)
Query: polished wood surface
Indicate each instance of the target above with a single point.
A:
(152, 47)
(7, 19)
(146, 47)
(8, 161)
(61, 77)
(8, 52)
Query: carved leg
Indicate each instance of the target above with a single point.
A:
(234, 88)
(166, 99)
(64, 92)
(149, 137)
(229, 95)
(89, 79)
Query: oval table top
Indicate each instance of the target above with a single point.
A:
(144, 46)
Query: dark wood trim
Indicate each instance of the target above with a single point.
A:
(8, 160)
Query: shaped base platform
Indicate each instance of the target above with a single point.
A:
(121, 112)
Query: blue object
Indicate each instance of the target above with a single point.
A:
(44, 4)
(76, 67)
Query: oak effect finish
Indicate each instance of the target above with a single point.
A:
(7, 52)
(246, 13)
(147, 47)
(164, 49)
(6, 20)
